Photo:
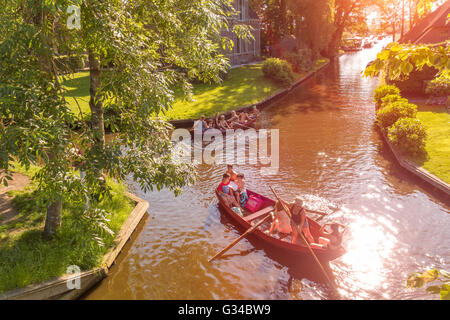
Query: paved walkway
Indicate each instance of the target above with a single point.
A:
(7, 211)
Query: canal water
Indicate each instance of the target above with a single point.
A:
(331, 155)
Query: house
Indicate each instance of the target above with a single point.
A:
(244, 51)
(431, 29)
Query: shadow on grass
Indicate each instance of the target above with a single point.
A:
(418, 159)
(78, 85)
(243, 86)
(27, 258)
(27, 216)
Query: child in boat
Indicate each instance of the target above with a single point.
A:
(281, 222)
(254, 113)
(210, 123)
(333, 239)
(299, 217)
(223, 124)
(200, 124)
(243, 117)
(231, 172)
(234, 119)
(243, 196)
(233, 178)
(226, 192)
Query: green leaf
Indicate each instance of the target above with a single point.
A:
(434, 289)
(414, 280)
(430, 275)
(445, 292)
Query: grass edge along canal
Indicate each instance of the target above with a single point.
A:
(437, 125)
(242, 86)
(25, 258)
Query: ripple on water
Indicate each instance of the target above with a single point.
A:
(330, 155)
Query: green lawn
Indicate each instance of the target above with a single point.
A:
(437, 124)
(26, 258)
(78, 91)
(243, 86)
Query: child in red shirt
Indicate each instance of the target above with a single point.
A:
(226, 192)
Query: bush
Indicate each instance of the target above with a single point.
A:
(301, 60)
(409, 136)
(278, 70)
(390, 98)
(415, 81)
(389, 114)
(70, 64)
(383, 90)
(439, 87)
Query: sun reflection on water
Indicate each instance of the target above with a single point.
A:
(369, 243)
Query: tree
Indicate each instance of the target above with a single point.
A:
(389, 16)
(346, 13)
(313, 23)
(399, 60)
(276, 20)
(138, 51)
(308, 20)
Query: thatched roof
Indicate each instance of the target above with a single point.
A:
(431, 29)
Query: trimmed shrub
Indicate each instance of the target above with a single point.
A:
(389, 114)
(439, 87)
(390, 98)
(409, 136)
(415, 81)
(278, 70)
(383, 90)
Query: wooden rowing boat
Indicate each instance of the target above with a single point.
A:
(245, 125)
(283, 243)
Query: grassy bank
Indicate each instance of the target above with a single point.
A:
(243, 86)
(437, 124)
(78, 91)
(26, 258)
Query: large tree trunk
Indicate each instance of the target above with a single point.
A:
(36, 15)
(403, 20)
(95, 102)
(283, 21)
(53, 219)
(335, 41)
(393, 32)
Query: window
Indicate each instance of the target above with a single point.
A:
(238, 45)
(241, 8)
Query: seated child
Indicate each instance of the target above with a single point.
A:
(226, 192)
(243, 196)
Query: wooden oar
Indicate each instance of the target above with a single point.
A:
(250, 230)
(318, 212)
(288, 211)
